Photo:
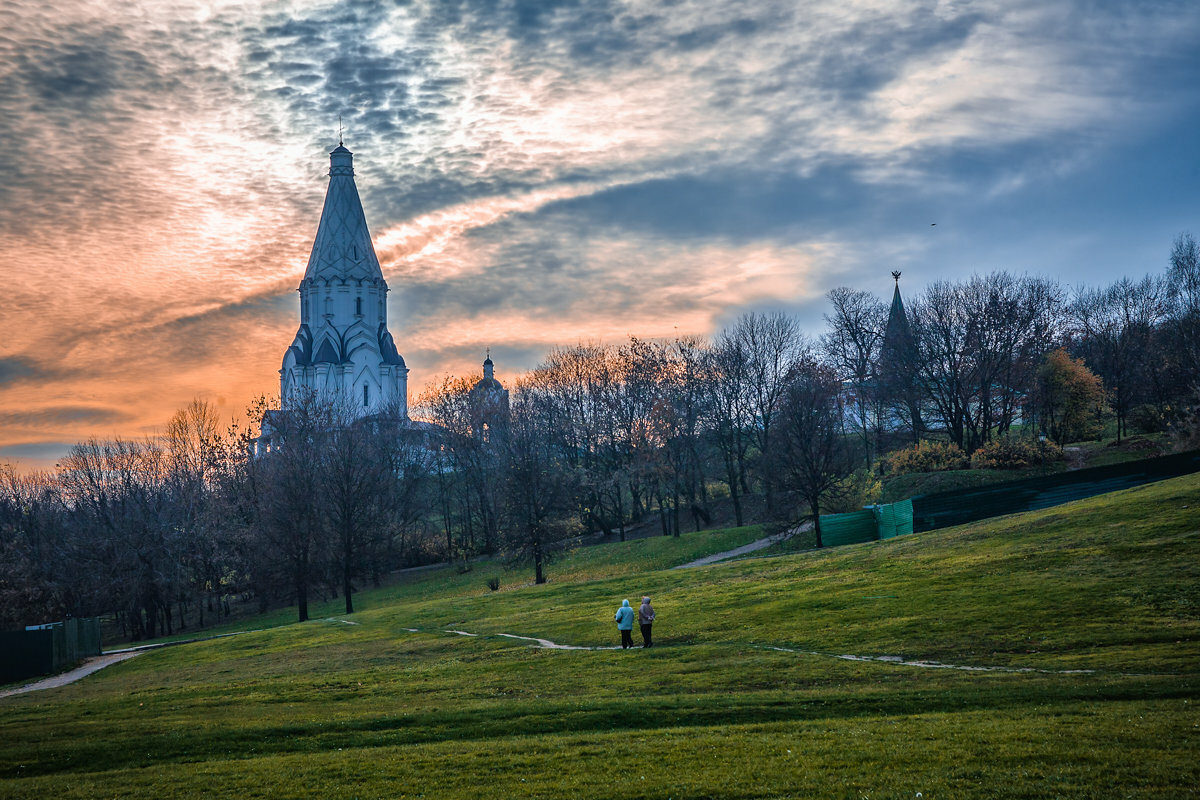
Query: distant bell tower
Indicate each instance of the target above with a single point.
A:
(343, 350)
(488, 401)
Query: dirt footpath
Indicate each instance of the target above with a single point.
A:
(748, 548)
(87, 668)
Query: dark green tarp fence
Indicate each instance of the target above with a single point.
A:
(967, 505)
(868, 525)
(48, 648)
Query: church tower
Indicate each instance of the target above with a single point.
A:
(343, 351)
(898, 365)
(488, 401)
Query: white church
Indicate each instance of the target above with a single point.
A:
(343, 350)
(343, 353)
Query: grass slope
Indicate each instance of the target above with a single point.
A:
(330, 709)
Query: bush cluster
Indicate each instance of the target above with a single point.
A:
(1015, 452)
(926, 457)
(1149, 418)
(862, 488)
(1185, 427)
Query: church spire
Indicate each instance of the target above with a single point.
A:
(343, 350)
(342, 249)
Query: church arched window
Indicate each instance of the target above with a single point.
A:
(366, 394)
(358, 306)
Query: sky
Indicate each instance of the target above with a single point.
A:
(544, 174)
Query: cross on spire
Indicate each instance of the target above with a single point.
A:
(339, 130)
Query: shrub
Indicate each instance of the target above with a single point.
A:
(1185, 427)
(1148, 418)
(494, 584)
(860, 489)
(1069, 399)
(926, 457)
(1015, 452)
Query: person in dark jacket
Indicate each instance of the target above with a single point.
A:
(624, 618)
(646, 619)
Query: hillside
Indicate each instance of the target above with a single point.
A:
(1087, 617)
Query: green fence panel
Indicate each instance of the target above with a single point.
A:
(87, 642)
(24, 654)
(48, 649)
(967, 505)
(894, 519)
(59, 654)
(857, 526)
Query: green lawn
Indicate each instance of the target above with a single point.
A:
(720, 708)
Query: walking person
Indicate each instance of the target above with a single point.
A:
(646, 619)
(624, 618)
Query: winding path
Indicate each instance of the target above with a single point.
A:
(62, 679)
(760, 544)
(546, 644)
(115, 656)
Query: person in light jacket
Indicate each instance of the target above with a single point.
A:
(646, 619)
(624, 618)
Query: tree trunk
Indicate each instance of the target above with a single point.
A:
(539, 575)
(302, 588)
(620, 513)
(816, 514)
(347, 589)
(734, 495)
(675, 510)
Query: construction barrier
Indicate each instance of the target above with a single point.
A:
(894, 519)
(868, 525)
(968, 505)
(857, 526)
(46, 649)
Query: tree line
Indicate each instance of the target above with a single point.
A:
(760, 421)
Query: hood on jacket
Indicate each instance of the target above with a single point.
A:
(624, 604)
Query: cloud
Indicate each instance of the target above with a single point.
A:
(34, 455)
(17, 369)
(63, 415)
(538, 173)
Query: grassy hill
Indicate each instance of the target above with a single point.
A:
(1088, 616)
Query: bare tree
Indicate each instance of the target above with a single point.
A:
(39, 575)
(978, 346)
(810, 448)
(541, 486)
(730, 421)
(197, 454)
(290, 520)
(356, 481)
(852, 346)
(772, 346)
(118, 493)
(1183, 294)
(1115, 327)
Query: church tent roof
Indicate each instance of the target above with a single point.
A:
(342, 248)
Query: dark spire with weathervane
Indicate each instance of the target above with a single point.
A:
(898, 362)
